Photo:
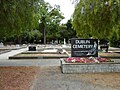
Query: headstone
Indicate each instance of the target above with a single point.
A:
(64, 45)
(104, 46)
(60, 50)
(32, 48)
(64, 42)
(17, 45)
(52, 41)
(1, 44)
(84, 47)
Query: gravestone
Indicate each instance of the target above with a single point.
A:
(17, 46)
(64, 41)
(1, 44)
(64, 45)
(32, 48)
(84, 47)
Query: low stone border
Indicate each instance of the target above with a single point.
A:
(89, 67)
(37, 57)
(16, 48)
(39, 52)
(4, 51)
(112, 57)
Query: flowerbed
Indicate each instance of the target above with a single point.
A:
(87, 60)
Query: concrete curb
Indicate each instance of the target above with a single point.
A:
(38, 57)
(5, 51)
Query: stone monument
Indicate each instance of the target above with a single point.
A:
(64, 45)
(1, 44)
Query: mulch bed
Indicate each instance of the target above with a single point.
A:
(17, 78)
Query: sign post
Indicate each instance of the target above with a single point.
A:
(84, 47)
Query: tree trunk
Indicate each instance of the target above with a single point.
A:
(19, 40)
(44, 36)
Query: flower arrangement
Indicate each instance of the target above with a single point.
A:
(86, 60)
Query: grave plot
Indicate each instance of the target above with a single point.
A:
(112, 54)
(4, 50)
(8, 48)
(43, 54)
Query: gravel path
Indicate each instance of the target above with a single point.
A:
(51, 78)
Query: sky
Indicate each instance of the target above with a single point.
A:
(66, 7)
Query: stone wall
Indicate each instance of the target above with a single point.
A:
(89, 68)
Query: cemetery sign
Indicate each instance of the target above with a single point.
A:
(84, 47)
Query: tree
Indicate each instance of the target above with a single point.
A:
(71, 32)
(17, 16)
(96, 18)
(49, 20)
(66, 31)
(31, 36)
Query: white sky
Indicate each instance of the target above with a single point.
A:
(66, 7)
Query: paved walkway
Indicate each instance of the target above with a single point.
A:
(4, 61)
(5, 56)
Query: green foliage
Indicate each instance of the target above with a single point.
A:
(115, 37)
(31, 35)
(114, 40)
(50, 21)
(96, 18)
(67, 31)
(17, 16)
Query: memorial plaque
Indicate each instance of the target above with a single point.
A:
(84, 47)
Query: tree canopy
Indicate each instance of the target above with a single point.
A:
(19, 16)
(50, 20)
(97, 18)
